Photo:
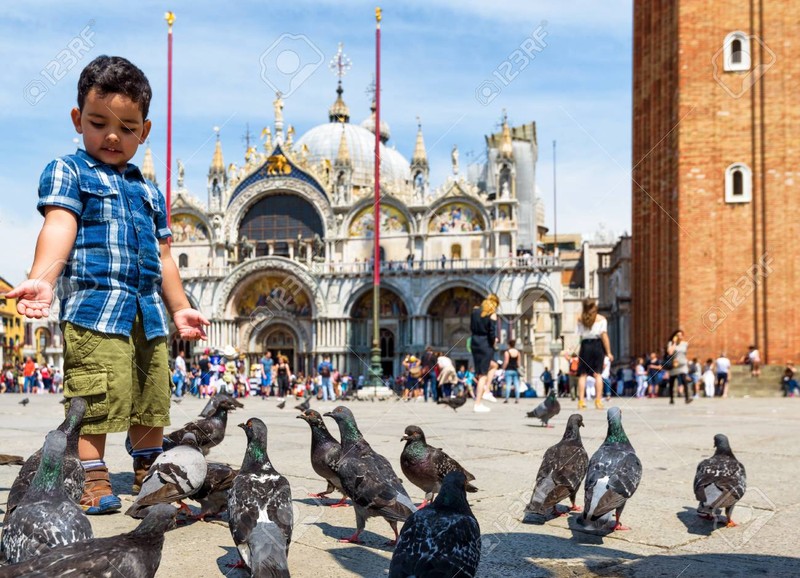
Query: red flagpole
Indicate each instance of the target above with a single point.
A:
(375, 360)
(170, 18)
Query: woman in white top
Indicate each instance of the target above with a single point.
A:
(595, 347)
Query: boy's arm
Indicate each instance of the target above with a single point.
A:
(190, 323)
(53, 248)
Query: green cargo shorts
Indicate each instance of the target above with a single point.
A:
(124, 380)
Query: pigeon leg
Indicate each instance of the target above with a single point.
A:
(557, 513)
(728, 514)
(619, 527)
(574, 507)
(352, 539)
(239, 564)
(320, 495)
(393, 542)
(423, 504)
(341, 503)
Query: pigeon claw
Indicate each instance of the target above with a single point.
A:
(239, 564)
(352, 539)
(575, 508)
(620, 528)
(731, 524)
(320, 495)
(341, 503)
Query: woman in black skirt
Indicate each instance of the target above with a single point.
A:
(595, 347)
(482, 326)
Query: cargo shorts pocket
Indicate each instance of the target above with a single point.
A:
(79, 342)
(90, 383)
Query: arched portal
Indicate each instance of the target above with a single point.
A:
(448, 322)
(394, 335)
(278, 223)
(281, 340)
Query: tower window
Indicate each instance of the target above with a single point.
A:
(736, 52)
(738, 184)
(183, 260)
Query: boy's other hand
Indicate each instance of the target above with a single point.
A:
(34, 298)
(190, 323)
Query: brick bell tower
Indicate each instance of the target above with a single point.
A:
(716, 177)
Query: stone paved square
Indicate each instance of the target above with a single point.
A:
(503, 449)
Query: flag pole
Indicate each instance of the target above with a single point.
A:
(170, 18)
(377, 372)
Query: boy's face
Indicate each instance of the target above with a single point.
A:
(112, 127)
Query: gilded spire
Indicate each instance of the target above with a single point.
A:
(148, 168)
(343, 155)
(420, 157)
(217, 164)
(339, 111)
(506, 146)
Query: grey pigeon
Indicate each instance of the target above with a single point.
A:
(176, 474)
(614, 474)
(209, 431)
(561, 473)
(46, 516)
(267, 546)
(548, 409)
(25, 401)
(7, 460)
(426, 466)
(305, 405)
(73, 470)
(136, 554)
(259, 495)
(442, 540)
(368, 478)
(720, 481)
(213, 494)
(213, 403)
(282, 404)
(325, 454)
(453, 402)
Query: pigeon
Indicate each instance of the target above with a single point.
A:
(304, 406)
(443, 539)
(548, 409)
(25, 401)
(7, 460)
(454, 402)
(209, 431)
(282, 404)
(46, 516)
(325, 454)
(267, 546)
(73, 470)
(178, 401)
(213, 494)
(213, 404)
(561, 473)
(176, 474)
(614, 474)
(426, 466)
(368, 479)
(136, 554)
(720, 481)
(63, 401)
(259, 495)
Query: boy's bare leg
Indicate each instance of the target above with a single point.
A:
(143, 436)
(91, 447)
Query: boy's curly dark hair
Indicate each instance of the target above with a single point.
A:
(115, 75)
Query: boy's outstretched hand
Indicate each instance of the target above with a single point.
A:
(190, 323)
(34, 297)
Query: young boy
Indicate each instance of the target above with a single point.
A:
(105, 236)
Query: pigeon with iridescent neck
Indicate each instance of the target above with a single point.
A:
(73, 470)
(325, 455)
(561, 473)
(368, 479)
(260, 496)
(614, 474)
(548, 409)
(46, 516)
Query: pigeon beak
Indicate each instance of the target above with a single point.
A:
(243, 426)
(328, 414)
(301, 416)
(404, 438)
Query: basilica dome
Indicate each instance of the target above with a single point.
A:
(323, 144)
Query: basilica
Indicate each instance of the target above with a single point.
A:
(279, 254)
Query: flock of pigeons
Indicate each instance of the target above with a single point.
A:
(45, 532)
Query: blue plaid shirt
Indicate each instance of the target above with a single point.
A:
(114, 270)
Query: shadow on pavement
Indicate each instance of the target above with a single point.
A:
(231, 556)
(369, 539)
(510, 555)
(360, 562)
(694, 523)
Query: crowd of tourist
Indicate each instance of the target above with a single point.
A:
(30, 377)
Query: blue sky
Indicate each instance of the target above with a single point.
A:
(436, 53)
